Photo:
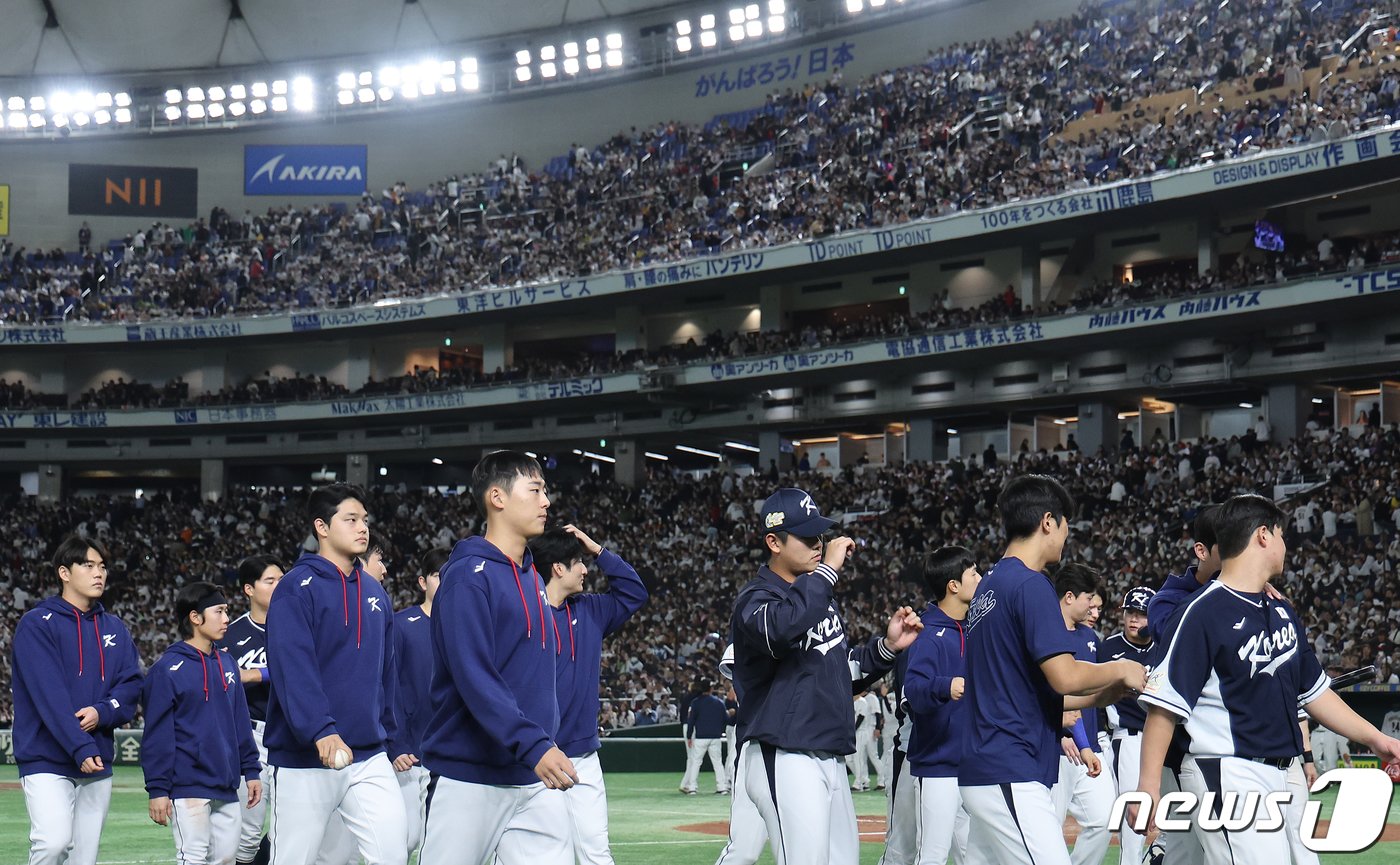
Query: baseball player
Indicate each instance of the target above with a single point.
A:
(587, 619)
(1330, 749)
(1233, 653)
(1127, 715)
(867, 740)
(902, 796)
(934, 686)
(731, 744)
(1021, 677)
(1083, 788)
(198, 744)
(491, 741)
(888, 727)
(795, 674)
(705, 721)
(747, 833)
(246, 643)
(330, 716)
(76, 678)
(413, 653)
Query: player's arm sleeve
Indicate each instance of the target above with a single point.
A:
(771, 622)
(295, 672)
(248, 761)
(468, 642)
(1312, 679)
(158, 740)
(1176, 682)
(124, 692)
(35, 666)
(869, 663)
(926, 686)
(1175, 590)
(1079, 734)
(389, 713)
(626, 592)
(1043, 628)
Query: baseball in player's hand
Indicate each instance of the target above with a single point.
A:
(91, 765)
(328, 745)
(161, 806)
(593, 547)
(1071, 750)
(87, 719)
(955, 688)
(1091, 762)
(837, 549)
(404, 762)
(254, 793)
(556, 770)
(903, 629)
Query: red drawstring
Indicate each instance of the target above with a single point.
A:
(558, 646)
(962, 639)
(204, 665)
(359, 598)
(101, 655)
(520, 587)
(344, 595)
(78, 623)
(539, 605)
(569, 615)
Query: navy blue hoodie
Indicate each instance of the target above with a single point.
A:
(413, 653)
(330, 653)
(793, 666)
(494, 710)
(583, 622)
(937, 657)
(64, 660)
(198, 742)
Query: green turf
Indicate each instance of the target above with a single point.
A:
(645, 811)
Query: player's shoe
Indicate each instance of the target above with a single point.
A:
(1154, 854)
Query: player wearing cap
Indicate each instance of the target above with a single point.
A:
(934, 686)
(1237, 666)
(865, 705)
(413, 653)
(705, 720)
(246, 643)
(1083, 788)
(1126, 716)
(330, 716)
(747, 834)
(76, 678)
(1021, 678)
(795, 674)
(587, 619)
(491, 740)
(198, 744)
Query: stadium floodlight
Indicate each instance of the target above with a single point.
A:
(216, 110)
(751, 12)
(471, 81)
(698, 452)
(683, 27)
(37, 120)
(194, 111)
(522, 57)
(593, 45)
(736, 33)
(468, 65)
(122, 100)
(390, 76)
(364, 79)
(237, 109)
(614, 58)
(238, 91)
(60, 120)
(102, 100)
(172, 113)
(345, 81)
(777, 24)
(614, 41)
(81, 119)
(446, 68)
(122, 115)
(300, 84)
(16, 103)
(595, 61)
(777, 7)
(279, 103)
(345, 97)
(570, 49)
(740, 446)
(102, 117)
(570, 65)
(173, 96)
(257, 106)
(876, 4)
(366, 94)
(216, 94)
(951, 431)
(708, 39)
(279, 87)
(60, 102)
(259, 90)
(547, 70)
(547, 52)
(682, 45)
(754, 29)
(37, 103)
(195, 94)
(386, 93)
(304, 102)
(1246, 405)
(854, 6)
(736, 15)
(656, 456)
(448, 85)
(409, 90)
(707, 22)
(522, 73)
(18, 120)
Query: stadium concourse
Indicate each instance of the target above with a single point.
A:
(697, 539)
(875, 152)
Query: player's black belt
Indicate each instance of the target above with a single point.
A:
(1274, 762)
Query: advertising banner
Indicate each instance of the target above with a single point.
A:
(302, 169)
(132, 190)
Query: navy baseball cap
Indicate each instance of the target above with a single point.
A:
(1137, 598)
(792, 510)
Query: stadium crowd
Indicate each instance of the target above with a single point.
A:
(876, 152)
(1343, 254)
(695, 540)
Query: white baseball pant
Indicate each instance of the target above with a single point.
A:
(805, 802)
(206, 831)
(468, 823)
(366, 797)
(413, 785)
(1179, 848)
(1201, 775)
(939, 800)
(1293, 819)
(904, 820)
(695, 756)
(1014, 824)
(65, 812)
(251, 831)
(887, 753)
(1328, 749)
(587, 802)
(1090, 800)
(1127, 767)
(731, 754)
(867, 752)
(747, 834)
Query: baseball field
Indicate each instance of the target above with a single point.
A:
(650, 823)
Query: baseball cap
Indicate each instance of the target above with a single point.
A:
(792, 510)
(1137, 598)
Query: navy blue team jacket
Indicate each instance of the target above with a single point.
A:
(330, 653)
(581, 624)
(64, 660)
(413, 653)
(936, 658)
(1127, 713)
(246, 643)
(707, 717)
(793, 666)
(198, 742)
